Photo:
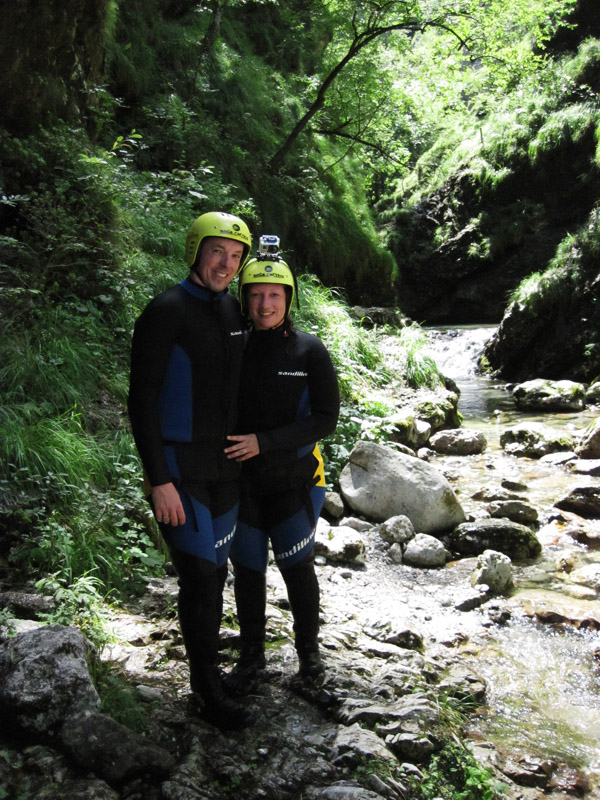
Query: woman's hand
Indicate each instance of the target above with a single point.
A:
(167, 504)
(245, 447)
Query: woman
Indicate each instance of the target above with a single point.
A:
(289, 399)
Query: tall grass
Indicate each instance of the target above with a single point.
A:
(353, 349)
(49, 445)
(565, 125)
(575, 261)
(420, 369)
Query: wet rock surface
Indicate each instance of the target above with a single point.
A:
(393, 639)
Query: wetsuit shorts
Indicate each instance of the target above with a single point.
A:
(286, 519)
(211, 509)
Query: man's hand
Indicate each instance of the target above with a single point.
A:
(167, 504)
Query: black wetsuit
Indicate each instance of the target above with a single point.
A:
(185, 368)
(289, 397)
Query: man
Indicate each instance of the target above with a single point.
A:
(185, 366)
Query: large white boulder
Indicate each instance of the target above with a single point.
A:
(380, 483)
(546, 395)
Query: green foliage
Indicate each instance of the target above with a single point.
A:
(454, 773)
(354, 351)
(49, 446)
(72, 531)
(419, 367)
(77, 602)
(7, 623)
(363, 421)
(565, 125)
(576, 259)
(368, 766)
(118, 698)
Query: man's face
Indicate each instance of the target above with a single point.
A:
(220, 260)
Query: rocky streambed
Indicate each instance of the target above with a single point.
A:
(405, 644)
(390, 637)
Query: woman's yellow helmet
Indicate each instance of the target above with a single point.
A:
(267, 270)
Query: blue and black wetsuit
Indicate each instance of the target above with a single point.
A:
(185, 366)
(289, 398)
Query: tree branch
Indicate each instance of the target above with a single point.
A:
(360, 40)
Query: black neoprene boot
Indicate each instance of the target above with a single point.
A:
(200, 603)
(250, 587)
(303, 593)
(311, 665)
(216, 707)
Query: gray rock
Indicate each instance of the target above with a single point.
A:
(333, 505)
(27, 605)
(44, 678)
(515, 510)
(494, 570)
(380, 483)
(344, 790)
(395, 553)
(111, 751)
(460, 442)
(358, 524)
(426, 453)
(513, 485)
(516, 541)
(585, 466)
(534, 440)
(339, 544)
(583, 500)
(560, 458)
(416, 746)
(408, 429)
(87, 788)
(438, 408)
(470, 599)
(415, 708)
(590, 441)
(425, 551)
(397, 530)
(390, 634)
(592, 394)
(353, 744)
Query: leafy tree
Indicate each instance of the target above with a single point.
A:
(488, 37)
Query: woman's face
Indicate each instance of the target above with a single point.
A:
(266, 305)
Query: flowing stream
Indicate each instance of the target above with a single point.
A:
(543, 679)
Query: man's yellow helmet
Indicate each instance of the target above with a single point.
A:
(216, 223)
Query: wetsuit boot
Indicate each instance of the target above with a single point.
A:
(303, 593)
(250, 587)
(199, 606)
(215, 706)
